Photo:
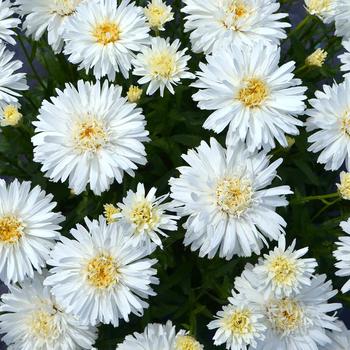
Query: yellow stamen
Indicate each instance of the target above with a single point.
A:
(144, 216)
(162, 65)
(254, 93)
(186, 342)
(283, 270)
(109, 211)
(317, 58)
(239, 322)
(107, 33)
(11, 229)
(43, 326)
(344, 186)
(134, 94)
(11, 116)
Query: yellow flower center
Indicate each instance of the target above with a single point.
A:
(156, 15)
(106, 33)
(144, 216)
(239, 322)
(186, 342)
(344, 187)
(103, 271)
(109, 211)
(134, 94)
(285, 315)
(238, 9)
(11, 229)
(43, 326)
(254, 93)
(318, 7)
(317, 58)
(234, 195)
(89, 135)
(345, 123)
(283, 270)
(162, 65)
(65, 7)
(11, 116)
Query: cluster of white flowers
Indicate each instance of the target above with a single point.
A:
(91, 133)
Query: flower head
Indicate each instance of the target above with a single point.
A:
(109, 213)
(317, 58)
(10, 115)
(134, 94)
(98, 136)
(324, 9)
(344, 186)
(157, 14)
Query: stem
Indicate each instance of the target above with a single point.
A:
(300, 26)
(321, 197)
(325, 208)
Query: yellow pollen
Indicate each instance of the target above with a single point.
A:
(11, 116)
(157, 15)
(283, 270)
(317, 58)
(11, 229)
(233, 195)
(103, 271)
(239, 322)
(162, 65)
(344, 186)
(345, 123)
(134, 94)
(42, 325)
(144, 216)
(89, 135)
(109, 211)
(186, 342)
(318, 7)
(65, 7)
(106, 33)
(238, 9)
(285, 315)
(254, 93)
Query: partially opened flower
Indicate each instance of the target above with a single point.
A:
(162, 65)
(10, 115)
(28, 230)
(226, 197)
(103, 36)
(158, 13)
(89, 135)
(250, 93)
(99, 276)
(214, 22)
(51, 16)
(31, 319)
(344, 186)
(7, 22)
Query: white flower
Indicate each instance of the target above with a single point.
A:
(7, 22)
(345, 58)
(104, 36)
(10, 81)
(283, 271)
(342, 254)
(158, 13)
(330, 119)
(99, 276)
(253, 95)
(224, 194)
(162, 65)
(10, 115)
(146, 216)
(160, 337)
(28, 230)
(324, 9)
(342, 23)
(294, 322)
(239, 325)
(89, 135)
(344, 186)
(340, 339)
(32, 319)
(51, 16)
(213, 22)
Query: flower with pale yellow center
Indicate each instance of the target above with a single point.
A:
(324, 9)
(107, 32)
(344, 186)
(11, 229)
(253, 93)
(317, 58)
(187, 342)
(11, 116)
(109, 213)
(157, 14)
(134, 94)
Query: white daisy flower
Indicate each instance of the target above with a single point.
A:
(295, 322)
(31, 319)
(345, 58)
(283, 270)
(89, 135)
(99, 276)
(330, 119)
(51, 16)
(158, 13)
(253, 95)
(146, 216)
(340, 340)
(344, 186)
(104, 36)
(7, 22)
(28, 230)
(238, 325)
(162, 65)
(157, 336)
(10, 81)
(213, 22)
(342, 24)
(325, 10)
(225, 196)
(10, 115)
(342, 254)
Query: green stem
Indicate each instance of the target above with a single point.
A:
(321, 197)
(329, 204)
(300, 26)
